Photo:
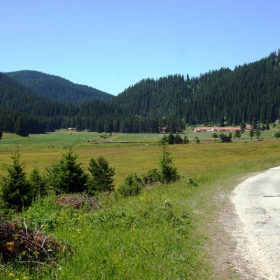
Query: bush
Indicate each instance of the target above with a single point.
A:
(133, 185)
(152, 177)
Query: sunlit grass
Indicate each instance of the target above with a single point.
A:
(163, 233)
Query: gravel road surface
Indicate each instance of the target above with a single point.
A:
(257, 203)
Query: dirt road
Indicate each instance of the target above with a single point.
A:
(257, 236)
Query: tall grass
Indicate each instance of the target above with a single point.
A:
(165, 232)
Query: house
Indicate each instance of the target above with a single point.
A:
(248, 127)
(225, 129)
(216, 129)
(202, 129)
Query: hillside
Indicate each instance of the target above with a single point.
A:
(248, 93)
(21, 109)
(58, 88)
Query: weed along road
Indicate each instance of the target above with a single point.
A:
(257, 203)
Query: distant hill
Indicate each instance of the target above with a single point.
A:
(58, 88)
(249, 93)
(23, 111)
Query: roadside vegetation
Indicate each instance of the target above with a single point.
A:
(153, 218)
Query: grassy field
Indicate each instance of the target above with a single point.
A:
(164, 233)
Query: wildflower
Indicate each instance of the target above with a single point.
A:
(10, 274)
(10, 243)
(24, 277)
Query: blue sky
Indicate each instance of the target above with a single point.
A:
(111, 45)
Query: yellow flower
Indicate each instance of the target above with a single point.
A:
(10, 274)
(24, 277)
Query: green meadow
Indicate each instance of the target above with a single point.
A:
(166, 232)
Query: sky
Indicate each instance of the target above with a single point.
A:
(113, 44)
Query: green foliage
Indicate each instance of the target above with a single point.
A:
(16, 190)
(37, 183)
(258, 133)
(277, 134)
(168, 172)
(44, 211)
(132, 185)
(186, 140)
(171, 138)
(237, 134)
(101, 179)
(197, 140)
(215, 135)
(153, 176)
(251, 133)
(67, 176)
(174, 139)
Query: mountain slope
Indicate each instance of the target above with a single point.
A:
(248, 93)
(58, 88)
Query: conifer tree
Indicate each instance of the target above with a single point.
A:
(67, 176)
(101, 179)
(16, 190)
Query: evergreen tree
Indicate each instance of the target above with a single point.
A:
(67, 176)
(178, 139)
(171, 138)
(258, 133)
(37, 183)
(186, 140)
(21, 126)
(237, 134)
(251, 133)
(16, 190)
(168, 172)
(101, 179)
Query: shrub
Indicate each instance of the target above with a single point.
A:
(152, 177)
(133, 185)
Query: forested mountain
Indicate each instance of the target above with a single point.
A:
(58, 88)
(249, 93)
(23, 111)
